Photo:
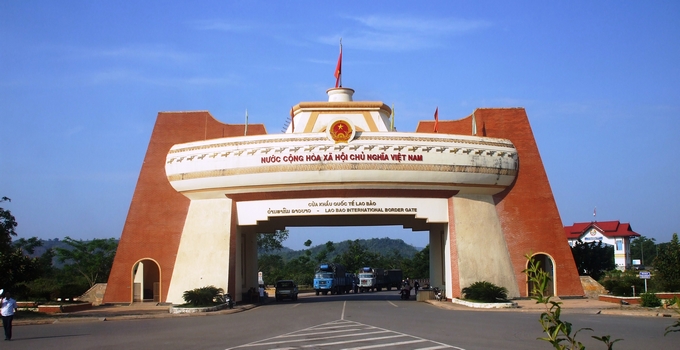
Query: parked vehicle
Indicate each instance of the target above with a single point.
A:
(229, 301)
(393, 278)
(286, 289)
(371, 279)
(331, 277)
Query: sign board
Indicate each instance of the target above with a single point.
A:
(259, 278)
(636, 262)
(645, 275)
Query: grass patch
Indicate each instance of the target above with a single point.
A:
(31, 315)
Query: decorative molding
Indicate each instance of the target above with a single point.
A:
(280, 168)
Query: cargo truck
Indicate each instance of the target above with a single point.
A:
(331, 277)
(371, 279)
(393, 278)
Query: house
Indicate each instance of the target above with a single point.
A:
(613, 233)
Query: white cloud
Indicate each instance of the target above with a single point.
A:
(144, 53)
(404, 33)
(221, 25)
(427, 27)
(131, 76)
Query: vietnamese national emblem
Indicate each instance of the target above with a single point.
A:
(341, 131)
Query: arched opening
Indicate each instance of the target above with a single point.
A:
(146, 281)
(414, 232)
(383, 249)
(546, 264)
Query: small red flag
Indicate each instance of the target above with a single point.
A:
(436, 120)
(338, 69)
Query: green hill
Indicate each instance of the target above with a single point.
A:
(383, 246)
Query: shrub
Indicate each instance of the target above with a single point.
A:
(204, 296)
(650, 300)
(485, 291)
(619, 283)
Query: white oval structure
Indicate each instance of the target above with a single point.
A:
(341, 144)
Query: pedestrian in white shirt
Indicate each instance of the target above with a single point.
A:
(8, 307)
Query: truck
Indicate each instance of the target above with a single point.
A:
(393, 278)
(333, 278)
(371, 279)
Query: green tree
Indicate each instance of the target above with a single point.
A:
(419, 265)
(16, 266)
(7, 228)
(90, 259)
(593, 258)
(667, 265)
(643, 248)
(302, 268)
(357, 256)
(270, 242)
(395, 260)
(322, 255)
(44, 261)
(272, 266)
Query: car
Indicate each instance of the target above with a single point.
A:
(286, 289)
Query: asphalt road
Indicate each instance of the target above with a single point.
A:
(354, 321)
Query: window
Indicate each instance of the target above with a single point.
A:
(619, 244)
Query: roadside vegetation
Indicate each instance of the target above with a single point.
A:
(486, 292)
(596, 260)
(31, 276)
(204, 296)
(559, 333)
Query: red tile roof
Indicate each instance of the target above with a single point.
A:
(608, 229)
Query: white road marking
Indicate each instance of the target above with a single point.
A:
(342, 315)
(339, 334)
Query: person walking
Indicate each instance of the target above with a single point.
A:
(8, 307)
(416, 286)
(262, 294)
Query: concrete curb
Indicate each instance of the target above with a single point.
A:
(484, 305)
(566, 309)
(132, 315)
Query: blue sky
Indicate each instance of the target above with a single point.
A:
(81, 83)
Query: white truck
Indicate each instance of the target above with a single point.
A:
(371, 279)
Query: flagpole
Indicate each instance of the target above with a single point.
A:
(245, 132)
(392, 119)
(436, 120)
(474, 125)
(338, 69)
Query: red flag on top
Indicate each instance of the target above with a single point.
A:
(338, 69)
(436, 120)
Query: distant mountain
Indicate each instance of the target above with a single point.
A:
(51, 244)
(384, 246)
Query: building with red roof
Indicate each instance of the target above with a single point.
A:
(613, 233)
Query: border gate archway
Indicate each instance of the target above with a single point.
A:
(206, 188)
